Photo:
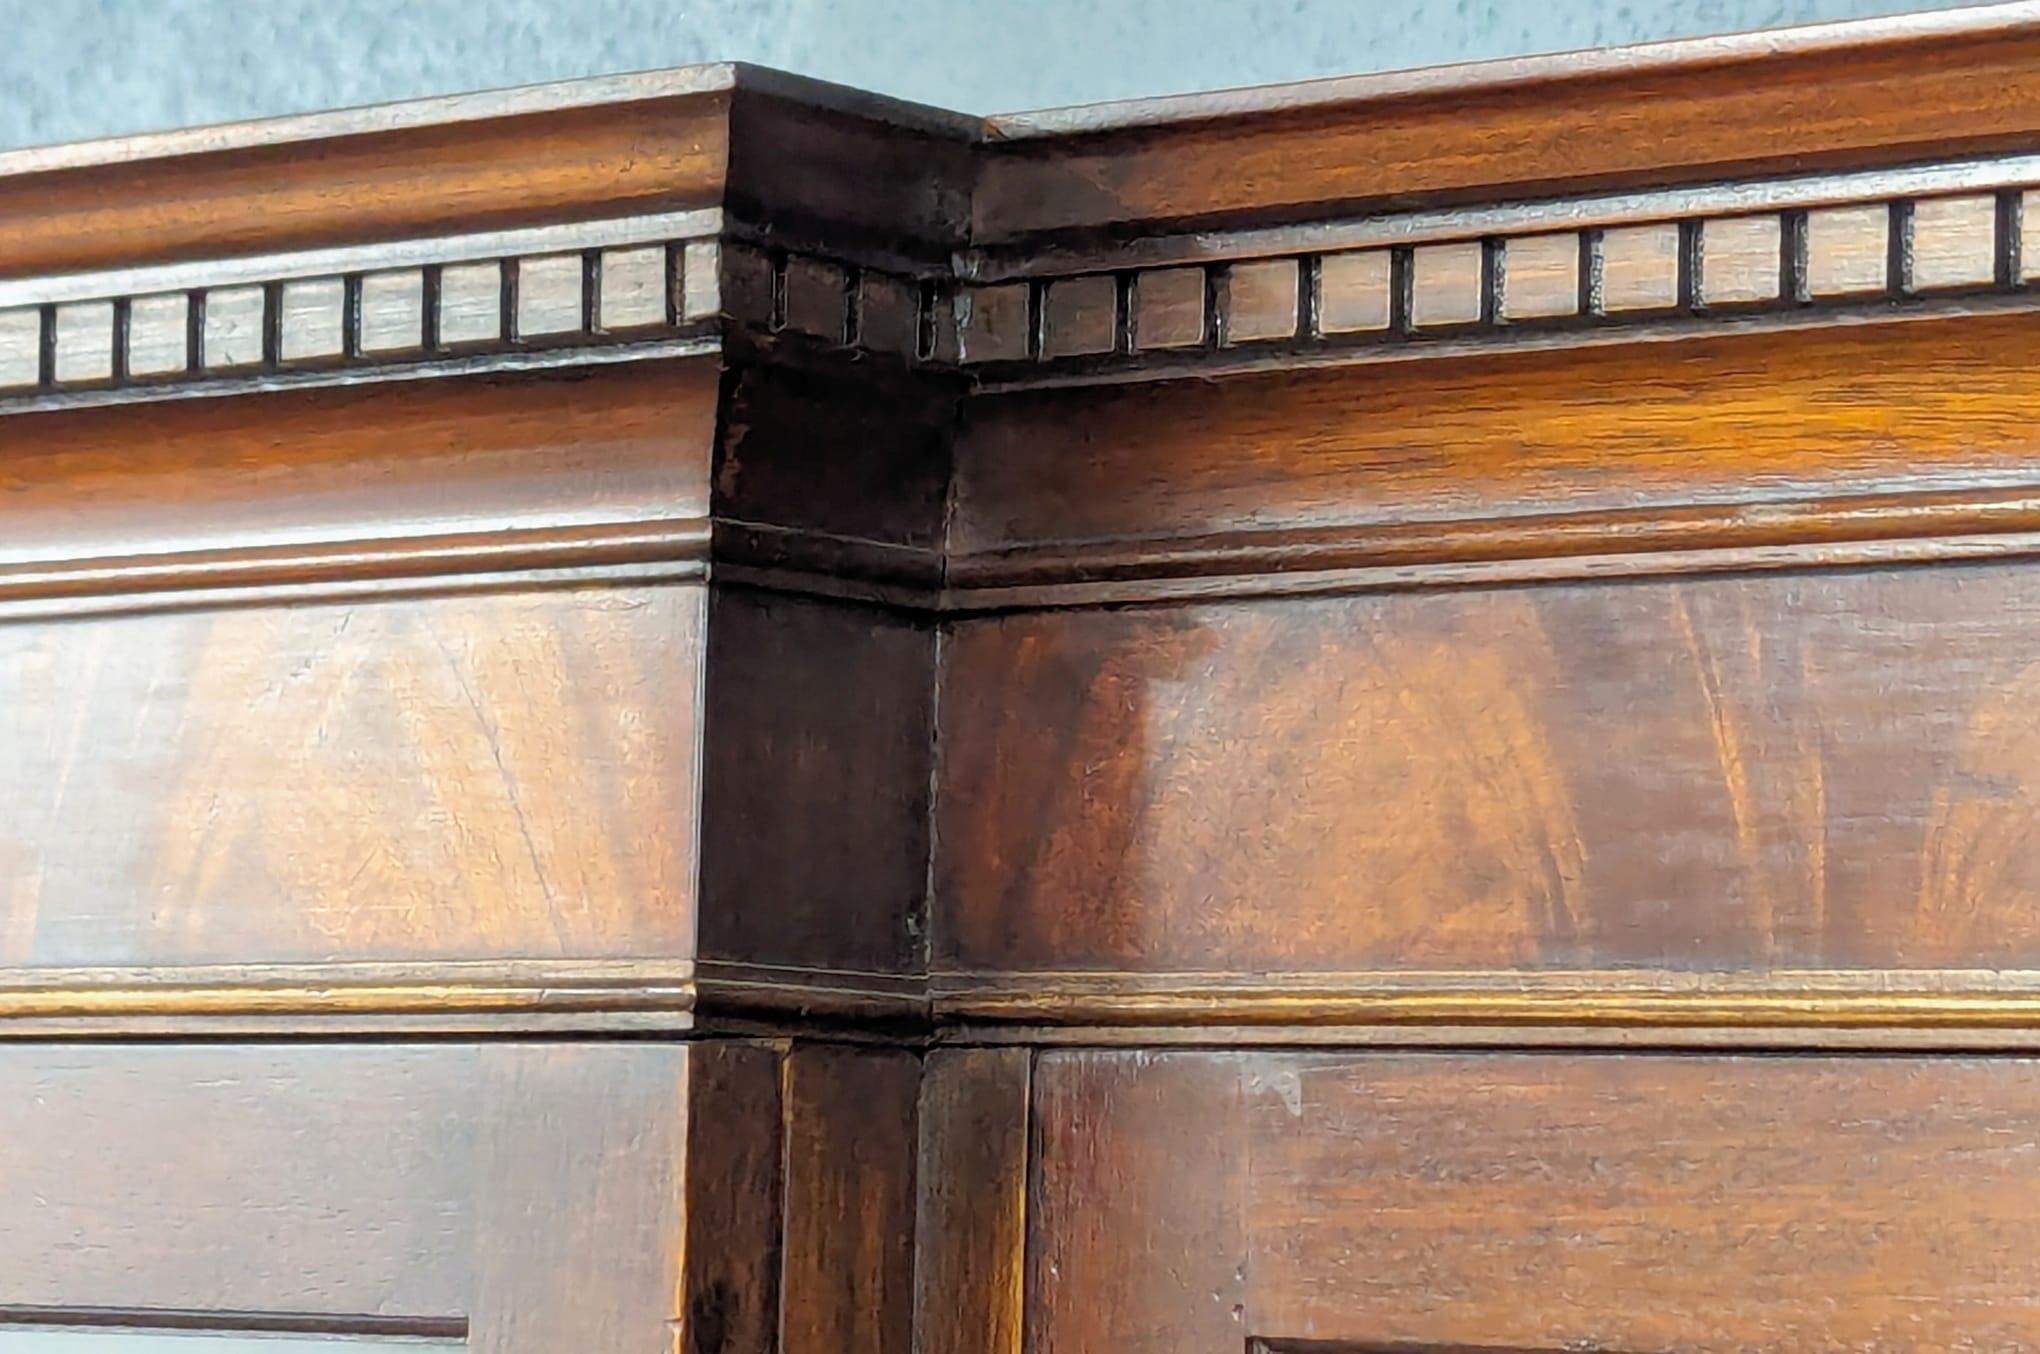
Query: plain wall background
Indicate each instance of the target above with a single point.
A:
(71, 69)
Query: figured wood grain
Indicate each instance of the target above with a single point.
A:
(1773, 771)
(461, 777)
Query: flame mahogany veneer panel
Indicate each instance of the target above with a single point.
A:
(1816, 770)
(457, 777)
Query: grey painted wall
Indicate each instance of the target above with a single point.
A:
(71, 69)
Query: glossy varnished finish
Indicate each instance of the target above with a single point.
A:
(1804, 771)
(507, 775)
(1862, 94)
(1531, 1202)
(469, 1213)
(1528, 456)
(898, 670)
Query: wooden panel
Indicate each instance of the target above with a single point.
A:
(1306, 460)
(1535, 1202)
(471, 303)
(532, 1194)
(393, 311)
(970, 1233)
(833, 472)
(1828, 769)
(452, 777)
(251, 1190)
(850, 1188)
(820, 727)
(582, 1190)
(1137, 1220)
(888, 314)
(735, 1148)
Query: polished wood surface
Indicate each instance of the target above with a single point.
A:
(1196, 1201)
(1802, 771)
(703, 714)
(393, 1185)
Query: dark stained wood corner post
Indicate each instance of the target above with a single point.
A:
(698, 713)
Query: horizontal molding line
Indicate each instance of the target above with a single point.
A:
(1799, 1000)
(771, 990)
(991, 599)
(584, 549)
(419, 990)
